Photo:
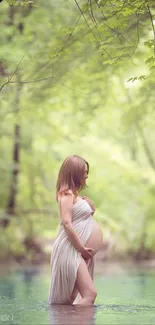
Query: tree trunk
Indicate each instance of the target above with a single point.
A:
(11, 204)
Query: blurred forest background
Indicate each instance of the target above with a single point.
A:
(77, 77)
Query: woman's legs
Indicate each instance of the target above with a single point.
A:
(74, 293)
(84, 284)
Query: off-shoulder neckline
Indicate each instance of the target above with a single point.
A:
(80, 200)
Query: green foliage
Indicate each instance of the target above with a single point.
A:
(87, 87)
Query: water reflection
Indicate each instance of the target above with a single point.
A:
(73, 315)
(27, 277)
(122, 299)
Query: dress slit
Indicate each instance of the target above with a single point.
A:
(65, 259)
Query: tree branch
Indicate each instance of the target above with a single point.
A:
(37, 80)
(9, 79)
(107, 25)
(86, 21)
(153, 29)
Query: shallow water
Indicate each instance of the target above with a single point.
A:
(125, 298)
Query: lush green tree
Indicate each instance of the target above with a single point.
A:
(77, 78)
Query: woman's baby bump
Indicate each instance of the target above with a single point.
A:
(95, 240)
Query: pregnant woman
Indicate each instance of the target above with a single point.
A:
(78, 239)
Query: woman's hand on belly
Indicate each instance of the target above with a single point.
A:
(87, 253)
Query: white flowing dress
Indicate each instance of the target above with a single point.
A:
(65, 259)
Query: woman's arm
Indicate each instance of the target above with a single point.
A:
(66, 205)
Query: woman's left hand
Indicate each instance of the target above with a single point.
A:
(90, 203)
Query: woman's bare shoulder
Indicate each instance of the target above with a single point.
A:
(64, 194)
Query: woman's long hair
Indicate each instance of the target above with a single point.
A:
(71, 175)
